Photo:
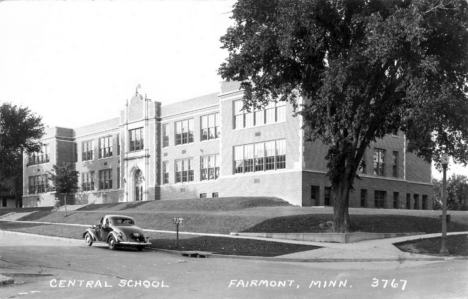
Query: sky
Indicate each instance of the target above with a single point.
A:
(77, 62)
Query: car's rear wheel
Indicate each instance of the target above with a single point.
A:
(88, 239)
(112, 244)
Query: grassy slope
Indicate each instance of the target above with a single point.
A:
(225, 215)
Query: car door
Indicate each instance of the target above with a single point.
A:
(105, 229)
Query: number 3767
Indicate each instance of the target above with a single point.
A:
(394, 283)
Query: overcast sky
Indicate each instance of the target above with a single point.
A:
(77, 62)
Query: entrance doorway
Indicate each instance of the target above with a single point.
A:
(138, 179)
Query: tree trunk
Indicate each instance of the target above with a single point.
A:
(341, 222)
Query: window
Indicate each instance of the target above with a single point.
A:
(136, 139)
(379, 165)
(118, 177)
(215, 194)
(416, 201)
(327, 196)
(105, 179)
(396, 199)
(395, 164)
(38, 184)
(165, 134)
(262, 156)
(315, 195)
(379, 198)
(202, 195)
(424, 202)
(280, 154)
(118, 144)
(209, 167)
(40, 157)
(363, 197)
(408, 201)
(87, 181)
(4, 202)
(273, 112)
(184, 131)
(210, 127)
(184, 170)
(87, 150)
(105, 147)
(165, 172)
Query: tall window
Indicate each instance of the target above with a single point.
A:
(87, 150)
(165, 172)
(136, 139)
(363, 197)
(396, 200)
(105, 179)
(408, 201)
(395, 164)
(379, 158)
(38, 184)
(424, 202)
(118, 177)
(118, 144)
(184, 170)
(416, 201)
(209, 167)
(327, 196)
(87, 181)
(184, 131)
(165, 134)
(315, 195)
(379, 198)
(273, 112)
(105, 147)
(262, 156)
(40, 157)
(210, 127)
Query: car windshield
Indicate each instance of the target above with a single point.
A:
(119, 221)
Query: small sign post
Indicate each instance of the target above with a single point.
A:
(177, 221)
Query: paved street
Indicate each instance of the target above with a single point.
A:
(51, 268)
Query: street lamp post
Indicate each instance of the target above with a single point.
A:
(445, 162)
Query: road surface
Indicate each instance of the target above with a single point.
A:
(48, 268)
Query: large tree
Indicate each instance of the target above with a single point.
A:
(357, 71)
(20, 132)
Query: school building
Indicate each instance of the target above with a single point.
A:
(209, 147)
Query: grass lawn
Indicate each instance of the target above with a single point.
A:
(456, 245)
(242, 214)
(219, 245)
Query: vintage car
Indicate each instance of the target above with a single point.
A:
(116, 231)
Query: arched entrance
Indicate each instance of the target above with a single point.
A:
(138, 185)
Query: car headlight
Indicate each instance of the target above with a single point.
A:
(120, 235)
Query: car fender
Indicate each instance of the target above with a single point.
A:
(115, 235)
(92, 233)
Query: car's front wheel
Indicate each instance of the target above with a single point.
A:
(112, 244)
(88, 239)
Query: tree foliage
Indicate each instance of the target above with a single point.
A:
(64, 178)
(20, 132)
(357, 71)
(457, 193)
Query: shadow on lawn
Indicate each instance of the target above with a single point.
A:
(363, 223)
(231, 246)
